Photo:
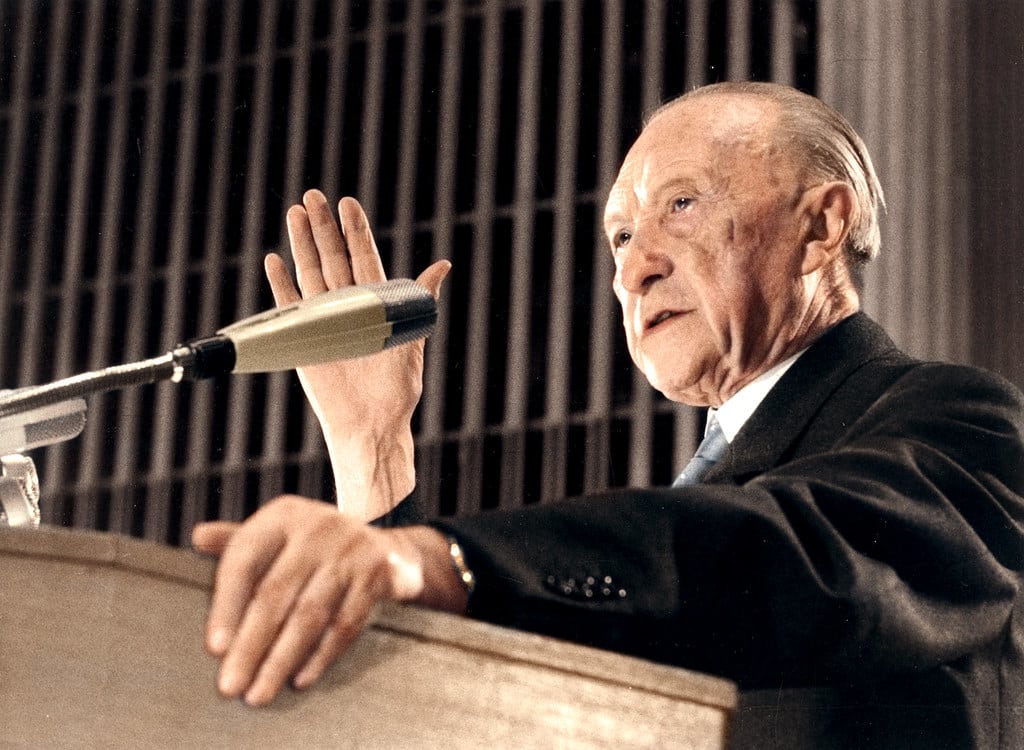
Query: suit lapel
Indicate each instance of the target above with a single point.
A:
(792, 404)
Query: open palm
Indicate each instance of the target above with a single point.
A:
(364, 405)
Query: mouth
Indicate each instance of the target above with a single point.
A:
(660, 318)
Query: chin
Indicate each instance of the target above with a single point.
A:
(671, 385)
(677, 380)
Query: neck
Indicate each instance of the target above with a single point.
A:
(822, 309)
(822, 313)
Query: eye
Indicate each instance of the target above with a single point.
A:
(681, 204)
(622, 238)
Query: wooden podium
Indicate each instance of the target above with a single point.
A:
(102, 647)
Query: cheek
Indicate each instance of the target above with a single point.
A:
(757, 262)
(717, 270)
(723, 271)
(628, 307)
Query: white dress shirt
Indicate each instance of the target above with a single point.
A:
(736, 410)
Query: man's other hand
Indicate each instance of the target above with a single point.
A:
(296, 584)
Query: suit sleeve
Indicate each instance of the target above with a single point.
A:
(407, 513)
(897, 550)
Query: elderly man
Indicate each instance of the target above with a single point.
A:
(849, 543)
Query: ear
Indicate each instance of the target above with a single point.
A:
(829, 210)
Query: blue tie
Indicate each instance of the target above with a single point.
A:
(709, 451)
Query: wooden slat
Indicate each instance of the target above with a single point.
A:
(275, 426)
(432, 427)
(444, 219)
(696, 48)
(475, 392)
(19, 123)
(202, 402)
(250, 257)
(94, 438)
(518, 351)
(517, 369)
(369, 166)
(140, 310)
(559, 336)
(739, 40)
(951, 227)
(783, 39)
(158, 524)
(405, 189)
(78, 201)
(47, 176)
(50, 170)
(602, 337)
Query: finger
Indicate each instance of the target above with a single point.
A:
(312, 613)
(281, 285)
(334, 264)
(304, 251)
(349, 622)
(433, 276)
(243, 563)
(211, 538)
(271, 602)
(401, 580)
(362, 249)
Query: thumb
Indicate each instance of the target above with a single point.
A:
(434, 275)
(212, 538)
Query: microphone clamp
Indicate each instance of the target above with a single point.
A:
(203, 358)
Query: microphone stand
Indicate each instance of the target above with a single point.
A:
(41, 415)
(89, 383)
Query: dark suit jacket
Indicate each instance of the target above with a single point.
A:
(854, 562)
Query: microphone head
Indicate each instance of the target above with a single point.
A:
(409, 308)
(344, 323)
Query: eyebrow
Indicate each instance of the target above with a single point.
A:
(672, 184)
(611, 220)
(617, 216)
(669, 185)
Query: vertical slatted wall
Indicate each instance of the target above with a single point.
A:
(150, 149)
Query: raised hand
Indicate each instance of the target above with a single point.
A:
(365, 405)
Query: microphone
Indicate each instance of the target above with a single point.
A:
(344, 323)
(44, 425)
(353, 321)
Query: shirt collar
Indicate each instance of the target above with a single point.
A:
(736, 410)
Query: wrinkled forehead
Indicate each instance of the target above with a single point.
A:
(691, 138)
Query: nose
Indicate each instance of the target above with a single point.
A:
(642, 264)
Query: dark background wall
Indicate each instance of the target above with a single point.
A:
(149, 150)
(995, 98)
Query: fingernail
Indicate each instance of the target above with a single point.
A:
(303, 679)
(255, 698)
(219, 640)
(229, 683)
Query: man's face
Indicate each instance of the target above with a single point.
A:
(705, 228)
